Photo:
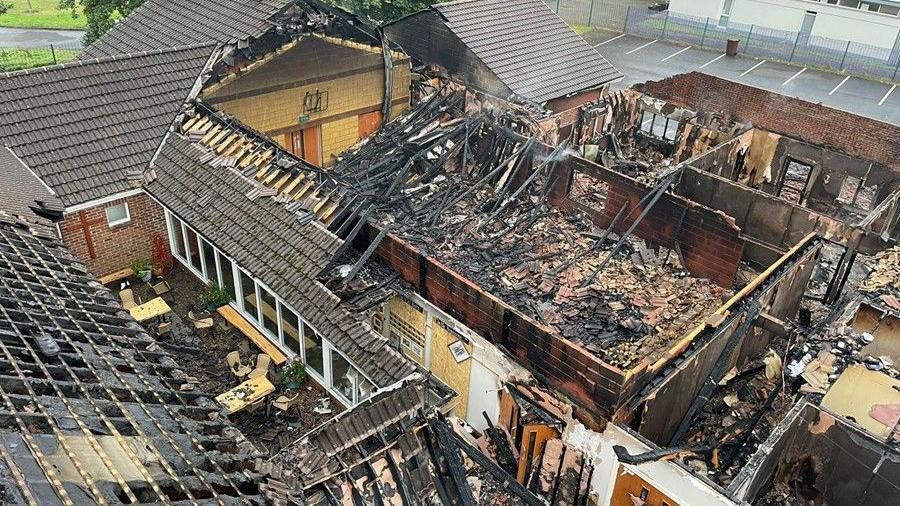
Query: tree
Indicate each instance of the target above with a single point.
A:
(384, 11)
(4, 6)
(100, 14)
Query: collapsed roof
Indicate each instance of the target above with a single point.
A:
(530, 52)
(94, 410)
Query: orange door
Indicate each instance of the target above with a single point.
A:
(368, 123)
(312, 145)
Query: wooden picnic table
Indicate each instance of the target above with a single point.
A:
(150, 309)
(245, 394)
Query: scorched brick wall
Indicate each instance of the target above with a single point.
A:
(868, 138)
(109, 249)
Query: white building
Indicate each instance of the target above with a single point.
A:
(874, 22)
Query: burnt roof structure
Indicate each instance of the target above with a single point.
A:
(94, 411)
(284, 246)
(88, 128)
(515, 49)
(158, 24)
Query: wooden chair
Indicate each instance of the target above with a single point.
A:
(239, 370)
(263, 362)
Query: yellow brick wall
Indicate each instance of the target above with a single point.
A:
(280, 109)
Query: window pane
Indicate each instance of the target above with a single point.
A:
(194, 250)
(178, 244)
(270, 317)
(365, 389)
(312, 343)
(343, 377)
(117, 214)
(209, 256)
(227, 274)
(290, 327)
(248, 293)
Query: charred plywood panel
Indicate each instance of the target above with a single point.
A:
(824, 459)
(454, 370)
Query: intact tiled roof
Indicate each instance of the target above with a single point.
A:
(159, 24)
(534, 52)
(82, 127)
(21, 192)
(264, 237)
(94, 411)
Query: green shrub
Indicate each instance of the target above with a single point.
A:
(214, 297)
(293, 374)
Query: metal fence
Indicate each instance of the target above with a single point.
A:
(801, 49)
(18, 58)
(587, 14)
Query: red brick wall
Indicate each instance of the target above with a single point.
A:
(868, 138)
(116, 248)
(709, 240)
(593, 385)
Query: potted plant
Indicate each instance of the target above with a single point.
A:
(293, 374)
(214, 297)
(143, 269)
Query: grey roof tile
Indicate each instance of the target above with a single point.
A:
(82, 126)
(158, 24)
(264, 237)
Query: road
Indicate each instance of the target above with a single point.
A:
(648, 60)
(26, 37)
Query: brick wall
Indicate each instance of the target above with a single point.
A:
(594, 386)
(117, 247)
(815, 123)
(710, 241)
(269, 98)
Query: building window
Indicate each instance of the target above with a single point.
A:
(226, 275)
(343, 377)
(248, 296)
(658, 126)
(268, 311)
(177, 237)
(312, 350)
(726, 13)
(644, 493)
(118, 214)
(793, 182)
(290, 329)
(209, 261)
(364, 389)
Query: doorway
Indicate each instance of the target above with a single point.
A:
(794, 181)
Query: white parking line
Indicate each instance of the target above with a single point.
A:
(886, 95)
(609, 40)
(676, 54)
(839, 85)
(717, 58)
(751, 69)
(794, 76)
(642, 47)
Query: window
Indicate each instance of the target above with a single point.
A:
(268, 310)
(849, 3)
(644, 493)
(177, 237)
(726, 13)
(364, 389)
(343, 377)
(193, 249)
(312, 348)
(248, 296)
(226, 275)
(890, 10)
(117, 214)
(794, 181)
(660, 127)
(209, 261)
(290, 330)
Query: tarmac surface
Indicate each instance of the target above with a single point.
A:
(28, 37)
(650, 60)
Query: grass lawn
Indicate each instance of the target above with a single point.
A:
(18, 59)
(45, 14)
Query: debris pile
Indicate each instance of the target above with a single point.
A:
(883, 281)
(473, 191)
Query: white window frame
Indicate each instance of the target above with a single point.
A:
(325, 380)
(121, 221)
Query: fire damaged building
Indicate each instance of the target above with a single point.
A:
(436, 263)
